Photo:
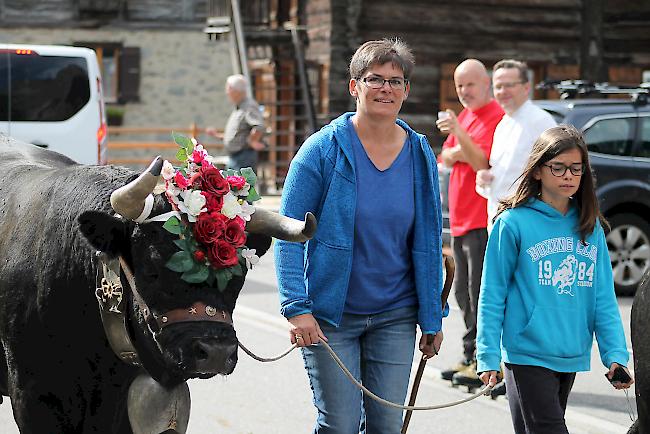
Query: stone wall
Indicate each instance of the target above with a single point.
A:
(182, 72)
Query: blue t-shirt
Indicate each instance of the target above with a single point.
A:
(381, 278)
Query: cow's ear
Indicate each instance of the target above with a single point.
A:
(259, 242)
(104, 232)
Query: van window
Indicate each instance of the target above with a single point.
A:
(42, 88)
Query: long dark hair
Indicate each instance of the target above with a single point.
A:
(549, 145)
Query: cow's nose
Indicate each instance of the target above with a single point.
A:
(212, 357)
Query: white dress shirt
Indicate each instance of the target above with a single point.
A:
(513, 141)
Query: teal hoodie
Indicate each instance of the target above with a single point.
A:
(544, 294)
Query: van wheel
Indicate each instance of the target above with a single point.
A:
(629, 250)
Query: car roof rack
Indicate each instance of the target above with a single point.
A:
(571, 89)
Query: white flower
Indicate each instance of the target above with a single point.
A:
(210, 159)
(193, 204)
(168, 171)
(251, 257)
(192, 168)
(231, 207)
(246, 210)
(243, 192)
(173, 191)
(194, 141)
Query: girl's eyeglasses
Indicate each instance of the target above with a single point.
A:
(559, 169)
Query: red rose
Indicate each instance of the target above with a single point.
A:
(237, 182)
(194, 180)
(212, 181)
(199, 255)
(212, 202)
(234, 234)
(241, 222)
(181, 181)
(208, 228)
(197, 156)
(222, 254)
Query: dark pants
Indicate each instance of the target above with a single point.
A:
(537, 397)
(247, 157)
(468, 251)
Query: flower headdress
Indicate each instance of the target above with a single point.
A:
(211, 208)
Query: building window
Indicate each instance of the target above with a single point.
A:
(120, 69)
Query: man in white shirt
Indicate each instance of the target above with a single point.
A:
(514, 136)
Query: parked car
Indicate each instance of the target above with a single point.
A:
(51, 96)
(617, 133)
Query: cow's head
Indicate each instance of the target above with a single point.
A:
(179, 349)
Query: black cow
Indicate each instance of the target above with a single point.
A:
(57, 364)
(640, 324)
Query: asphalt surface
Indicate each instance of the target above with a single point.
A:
(269, 398)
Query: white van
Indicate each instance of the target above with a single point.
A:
(51, 96)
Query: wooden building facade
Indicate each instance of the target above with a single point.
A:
(559, 39)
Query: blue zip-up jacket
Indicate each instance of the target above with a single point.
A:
(544, 294)
(313, 276)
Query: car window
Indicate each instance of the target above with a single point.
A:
(42, 88)
(611, 136)
(644, 139)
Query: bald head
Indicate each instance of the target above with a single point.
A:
(472, 84)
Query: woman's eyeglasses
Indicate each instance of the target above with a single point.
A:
(376, 82)
(559, 169)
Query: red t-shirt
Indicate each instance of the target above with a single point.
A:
(467, 209)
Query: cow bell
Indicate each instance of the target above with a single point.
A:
(154, 409)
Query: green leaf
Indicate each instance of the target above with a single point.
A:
(229, 172)
(180, 261)
(196, 275)
(237, 270)
(181, 155)
(189, 149)
(184, 244)
(173, 225)
(182, 141)
(222, 280)
(249, 174)
(253, 195)
(211, 277)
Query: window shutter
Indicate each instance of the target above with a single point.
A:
(129, 82)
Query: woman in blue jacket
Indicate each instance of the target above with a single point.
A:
(547, 287)
(374, 267)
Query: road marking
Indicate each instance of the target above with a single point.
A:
(586, 423)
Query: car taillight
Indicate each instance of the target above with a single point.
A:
(103, 128)
(101, 137)
(21, 51)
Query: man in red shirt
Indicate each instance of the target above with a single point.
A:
(466, 151)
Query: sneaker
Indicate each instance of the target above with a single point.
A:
(467, 377)
(449, 373)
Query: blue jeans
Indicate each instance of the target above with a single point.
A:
(378, 350)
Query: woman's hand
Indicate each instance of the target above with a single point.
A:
(430, 344)
(618, 384)
(489, 378)
(305, 331)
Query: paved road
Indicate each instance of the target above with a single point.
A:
(275, 397)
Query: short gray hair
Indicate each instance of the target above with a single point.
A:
(513, 64)
(380, 52)
(237, 82)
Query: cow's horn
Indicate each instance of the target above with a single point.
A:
(282, 227)
(128, 200)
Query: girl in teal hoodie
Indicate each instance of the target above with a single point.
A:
(547, 286)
